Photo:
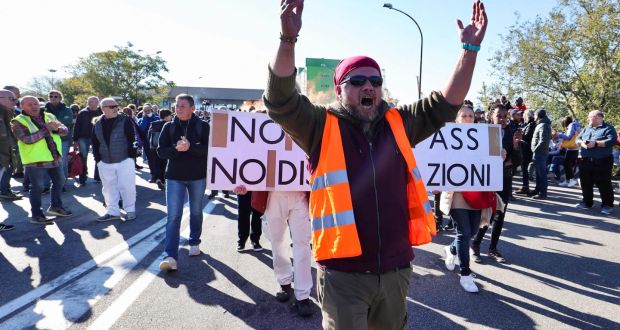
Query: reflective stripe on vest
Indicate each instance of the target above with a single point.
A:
(421, 217)
(38, 151)
(334, 232)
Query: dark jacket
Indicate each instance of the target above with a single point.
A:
(154, 132)
(376, 170)
(542, 137)
(84, 123)
(6, 136)
(189, 165)
(128, 131)
(513, 156)
(528, 131)
(64, 115)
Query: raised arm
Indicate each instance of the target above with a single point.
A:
(283, 65)
(457, 87)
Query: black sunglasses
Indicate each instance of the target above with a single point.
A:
(54, 96)
(111, 106)
(375, 81)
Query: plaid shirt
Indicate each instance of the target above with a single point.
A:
(22, 133)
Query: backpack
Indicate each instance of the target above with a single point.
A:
(154, 138)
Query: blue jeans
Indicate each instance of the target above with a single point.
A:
(84, 146)
(540, 162)
(66, 145)
(176, 191)
(556, 163)
(467, 223)
(5, 179)
(38, 177)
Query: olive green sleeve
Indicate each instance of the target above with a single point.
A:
(426, 116)
(298, 117)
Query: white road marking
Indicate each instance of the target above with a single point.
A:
(63, 307)
(107, 319)
(54, 284)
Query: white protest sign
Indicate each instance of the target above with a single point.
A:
(462, 157)
(250, 149)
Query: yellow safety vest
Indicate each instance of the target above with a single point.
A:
(38, 151)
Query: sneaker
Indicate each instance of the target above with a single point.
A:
(522, 192)
(467, 282)
(240, 247)
(583, 206)
(194, 250)
(6, 227)
(40, 220)
(10, 195)
(606, 210)
(152, 180)
(168, 264)
(81, 184)
(304, 307)
(160, 184)
(571, 183)
(449, 259)
(449, 226)
(539, 197)
(108, 217)
(256, 247)
(58, 211)
(211, 196)
(497, 256)
(285, 293)
(130, 216)
(474, 250)
(563, 184)
(18, 175)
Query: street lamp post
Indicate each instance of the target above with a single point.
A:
(389, 6)
(52, 71)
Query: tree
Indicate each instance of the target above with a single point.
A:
(123, 73)
(568, 62)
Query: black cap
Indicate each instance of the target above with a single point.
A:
(541, 113)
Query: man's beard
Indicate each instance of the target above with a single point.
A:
(362, 113)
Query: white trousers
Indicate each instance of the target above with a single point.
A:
(289, 210)
(118, 181)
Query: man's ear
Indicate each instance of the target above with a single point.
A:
(338, 92)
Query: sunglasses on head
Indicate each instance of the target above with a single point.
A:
(375, 81)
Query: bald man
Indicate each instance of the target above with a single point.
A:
(596, 141)
(40, 149)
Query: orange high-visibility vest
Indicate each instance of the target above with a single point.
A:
(334, 232)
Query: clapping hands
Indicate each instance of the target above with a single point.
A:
(182, 144)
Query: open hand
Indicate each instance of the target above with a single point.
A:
(474, 32)
(290, 17)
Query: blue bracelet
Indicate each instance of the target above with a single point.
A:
(471, 47)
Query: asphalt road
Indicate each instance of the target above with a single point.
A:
(562, 272)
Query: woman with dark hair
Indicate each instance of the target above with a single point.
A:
(570, 147)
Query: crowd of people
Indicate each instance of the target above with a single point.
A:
(364, 211)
